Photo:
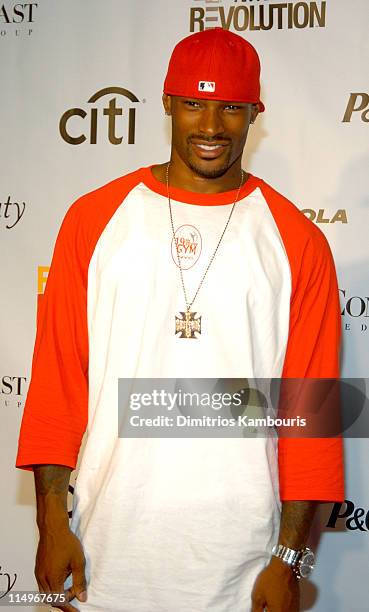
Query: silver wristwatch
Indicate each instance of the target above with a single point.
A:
(302, 562)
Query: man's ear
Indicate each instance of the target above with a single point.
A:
(254, 112)
(167, 103)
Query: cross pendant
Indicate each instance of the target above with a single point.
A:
(187, 325)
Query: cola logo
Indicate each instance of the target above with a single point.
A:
(323, 216)
(355, 518)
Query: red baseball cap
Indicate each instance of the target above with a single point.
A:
(216, 65)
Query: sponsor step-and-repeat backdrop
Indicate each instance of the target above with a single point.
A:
(81, 86)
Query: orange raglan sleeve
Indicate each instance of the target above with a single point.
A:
(55, 413)
(312, 468)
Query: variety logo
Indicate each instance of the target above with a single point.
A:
(256, 15)
(355, 518)
(11, 212)
(7, 581)
(355, 307)
(78, 125)
(13, 14)
(321, 216)
(187, 243)
(357, 103)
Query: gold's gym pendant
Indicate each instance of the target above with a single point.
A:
(187, 325)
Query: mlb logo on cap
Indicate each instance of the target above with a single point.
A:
(206, 86)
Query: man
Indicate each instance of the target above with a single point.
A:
(181, 524)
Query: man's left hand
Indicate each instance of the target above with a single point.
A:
(276, 589)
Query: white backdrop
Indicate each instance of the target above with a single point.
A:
(55, 55)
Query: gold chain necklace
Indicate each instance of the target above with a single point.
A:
(186, 323)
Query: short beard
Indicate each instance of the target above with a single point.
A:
(210, 174)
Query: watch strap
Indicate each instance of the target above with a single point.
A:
(289, 556)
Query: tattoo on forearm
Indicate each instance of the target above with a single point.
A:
(51, 478)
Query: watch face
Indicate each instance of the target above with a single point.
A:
(307, 563)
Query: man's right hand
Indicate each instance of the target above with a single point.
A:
(59, 552)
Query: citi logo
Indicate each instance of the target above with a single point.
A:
(321, 216)
(357, 103)
(78, 125)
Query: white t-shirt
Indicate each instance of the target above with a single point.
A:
(179, 524)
